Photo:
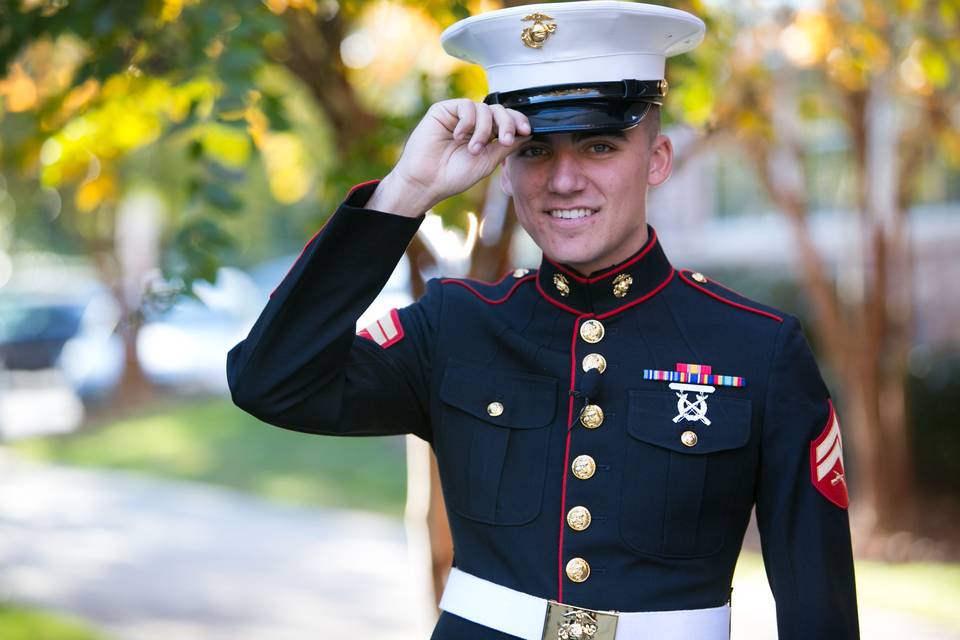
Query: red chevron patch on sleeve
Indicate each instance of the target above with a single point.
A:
(826, 463)
(386, 331)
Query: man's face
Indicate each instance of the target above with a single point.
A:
(582, 196)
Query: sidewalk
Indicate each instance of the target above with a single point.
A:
(146, 559)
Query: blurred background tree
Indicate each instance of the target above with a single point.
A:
(880, 77)
(247, 121)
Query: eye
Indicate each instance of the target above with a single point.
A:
(532, 152)
(600, 147)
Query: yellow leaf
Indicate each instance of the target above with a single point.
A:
(229, 146)
(19, 89)
(285, 160)
(935, 67)
(92, 193)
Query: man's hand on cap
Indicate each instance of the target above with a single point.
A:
(455, 145)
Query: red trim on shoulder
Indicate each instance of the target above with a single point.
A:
(651, 241)
(826, 463)
(683, 276)
(466, 285)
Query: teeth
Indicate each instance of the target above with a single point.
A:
(571, 214)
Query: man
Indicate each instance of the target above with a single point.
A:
(604, 425)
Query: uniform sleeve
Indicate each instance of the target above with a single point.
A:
(801, 503)
(303, 367)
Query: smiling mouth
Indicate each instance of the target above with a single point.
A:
(571, 214)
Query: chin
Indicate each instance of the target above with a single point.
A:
(572, 256)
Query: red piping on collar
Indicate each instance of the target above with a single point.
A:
(314, 236)
(559, 304)
(650, 243)
(612, 312)
(506, 297)
(760, 312)
(642, 298)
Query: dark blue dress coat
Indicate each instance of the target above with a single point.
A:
(531, 415)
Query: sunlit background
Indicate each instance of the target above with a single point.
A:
(162, 162)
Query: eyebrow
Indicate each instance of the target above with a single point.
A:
(580, 136)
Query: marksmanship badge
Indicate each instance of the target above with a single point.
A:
(535, 35)
(693, 378)
(696, 410)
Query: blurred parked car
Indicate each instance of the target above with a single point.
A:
(186, 346)
(58, 349)
(69, 328)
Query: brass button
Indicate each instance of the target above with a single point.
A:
(578, 518)
(621, 284)
(495, 409)
(592, 331)
(561, 283)
(699, 277)
(583, 467)
(689, 439)
(519, 273)
(594, 361)
(578, 570)
(591, 417)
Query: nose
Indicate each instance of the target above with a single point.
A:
(566, 175)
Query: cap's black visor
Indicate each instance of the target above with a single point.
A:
(584, 107)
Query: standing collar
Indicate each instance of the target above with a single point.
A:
(609, 291)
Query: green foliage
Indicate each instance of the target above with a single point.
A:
(213, 441)
(20, 623)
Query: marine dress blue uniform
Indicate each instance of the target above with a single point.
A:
(578, 460)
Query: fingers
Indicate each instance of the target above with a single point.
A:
(482, 130)
(466, 113)
(478, 124)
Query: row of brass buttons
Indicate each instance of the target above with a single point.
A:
(584, 467)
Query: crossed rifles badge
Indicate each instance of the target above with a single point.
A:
(696, 379)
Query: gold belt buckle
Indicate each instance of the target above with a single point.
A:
(566, 622)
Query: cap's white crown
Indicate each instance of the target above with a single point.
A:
(594, 41)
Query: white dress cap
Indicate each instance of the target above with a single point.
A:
(572, 42)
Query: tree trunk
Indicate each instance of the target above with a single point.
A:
(134, 389)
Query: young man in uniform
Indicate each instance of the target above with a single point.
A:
(604, 425)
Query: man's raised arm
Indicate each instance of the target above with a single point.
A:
(302, 366)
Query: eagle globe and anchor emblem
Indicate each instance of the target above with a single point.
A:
(577, 625)
(535, 35)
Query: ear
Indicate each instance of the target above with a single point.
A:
(661, 161)
(505, 183)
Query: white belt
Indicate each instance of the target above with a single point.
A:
(524, 616)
